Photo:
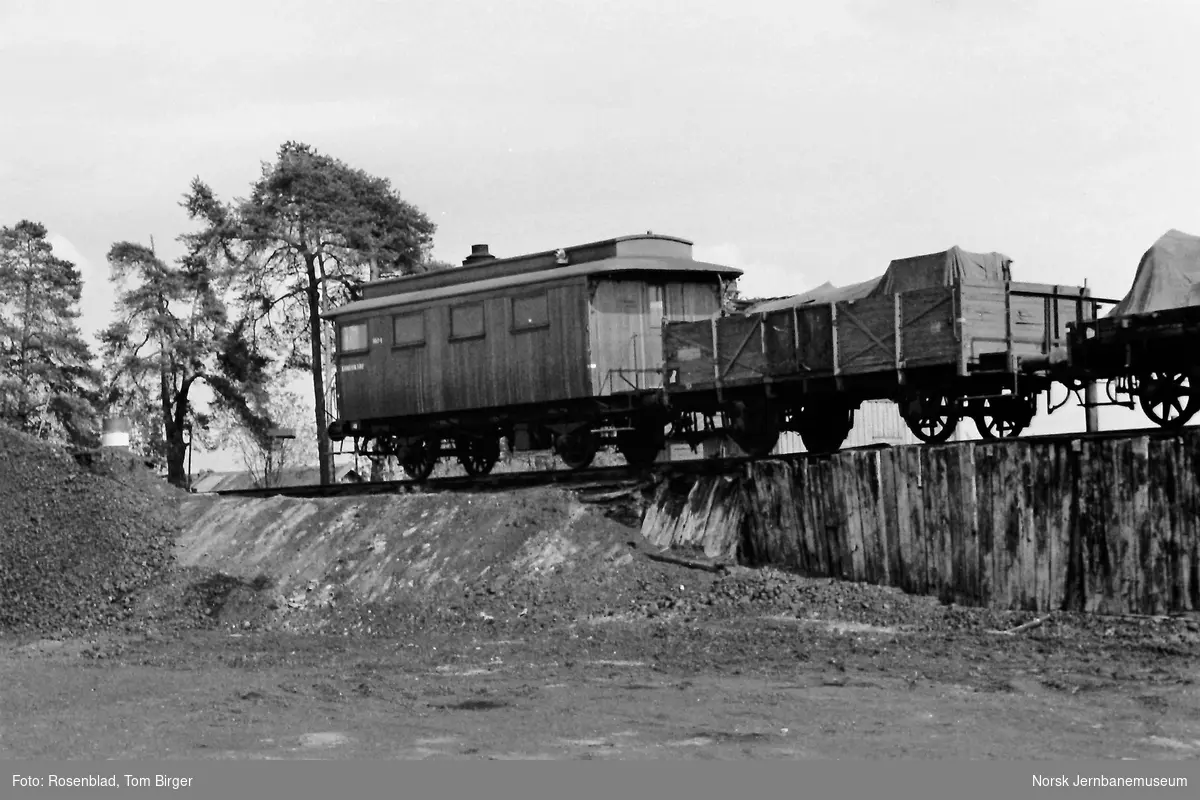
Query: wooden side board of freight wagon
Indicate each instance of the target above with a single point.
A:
(1168, 340)
(1022, 320)
(820, 340)
(721, 351)
(951, 326)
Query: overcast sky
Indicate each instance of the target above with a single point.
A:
(801, 141)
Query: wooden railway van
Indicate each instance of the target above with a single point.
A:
(517, 345)
(946, 326)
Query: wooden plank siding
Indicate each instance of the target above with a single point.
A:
(504, 367)
(626, 328)
(993, 317)
(615, 325)
(1108, 526)
(914, 329)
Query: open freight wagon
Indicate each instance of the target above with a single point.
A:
(1147, 348)
(946, 335)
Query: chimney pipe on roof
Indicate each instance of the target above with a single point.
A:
(479, 252)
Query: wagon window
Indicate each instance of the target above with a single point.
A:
(530, 312)
(408, 330)
(466, 321)
(353, 337)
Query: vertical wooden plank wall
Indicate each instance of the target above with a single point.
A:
(1107, 526)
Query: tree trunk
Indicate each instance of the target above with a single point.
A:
(172, 433)
(23, 400)
(314, 329)
(175, 419)
(176, 454)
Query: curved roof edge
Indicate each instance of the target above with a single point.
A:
(545, 259)
(610, 265)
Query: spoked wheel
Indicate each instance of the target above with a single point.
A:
(824, 428)
(421, 458)
(578, 448)
(931, 417)
(641, 445)
(477, 454)
(1169, 399)
(1003, 417)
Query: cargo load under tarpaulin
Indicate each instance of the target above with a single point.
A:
(953, 313)
(951, 267)
(1167, 277)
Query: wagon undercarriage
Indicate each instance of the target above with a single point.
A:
(1150, 360)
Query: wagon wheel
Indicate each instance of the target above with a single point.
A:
(578, 448)
(824, 430)
(1003, 417)
(421, 458)
(931, 417)
(385, 449)
(477, 454)
(756, 444)
(641, 445)
(755, 428)
(824, 439)
(1168, 398)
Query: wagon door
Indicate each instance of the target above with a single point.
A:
(625, 335)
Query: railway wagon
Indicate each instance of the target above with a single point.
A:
(946, 335)
(1147, 348)
(558, 349)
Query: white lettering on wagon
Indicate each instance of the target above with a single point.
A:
(352, 367)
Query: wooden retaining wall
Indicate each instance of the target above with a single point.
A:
(1102, 525)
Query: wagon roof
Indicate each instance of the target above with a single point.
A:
(482, 265)
(629, 264)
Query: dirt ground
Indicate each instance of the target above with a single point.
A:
(529, 625)
(748, 681)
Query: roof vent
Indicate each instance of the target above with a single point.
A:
(479, 253)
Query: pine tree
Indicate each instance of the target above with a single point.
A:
(48, 385)
(173, 331)
(312, 230)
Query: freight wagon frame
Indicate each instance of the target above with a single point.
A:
(1147, 348)
(1150, 359)
(979, 350)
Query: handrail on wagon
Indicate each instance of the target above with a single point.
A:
(1063, 295)
(1055, 329)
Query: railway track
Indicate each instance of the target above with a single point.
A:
(600, 480)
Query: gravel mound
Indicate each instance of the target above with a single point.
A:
(76, 546)
(131, 470)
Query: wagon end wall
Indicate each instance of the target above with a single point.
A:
(1025, 319)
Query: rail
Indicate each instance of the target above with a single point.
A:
(626, 477)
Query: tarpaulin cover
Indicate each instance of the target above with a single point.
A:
(1167, 277)
(947, 268)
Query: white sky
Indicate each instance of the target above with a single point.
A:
(800, 141)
